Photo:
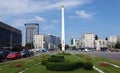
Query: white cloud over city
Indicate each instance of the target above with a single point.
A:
(21, 22)
(84, 14)
(32, 6)
(25, 8)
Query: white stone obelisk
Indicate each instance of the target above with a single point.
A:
(63, 30)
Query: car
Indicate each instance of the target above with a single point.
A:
(3, 54)
(43, 50)
(14, 55)
(86, 50)
(31, 53)
(25, 53)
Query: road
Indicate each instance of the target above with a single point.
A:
(112, 55)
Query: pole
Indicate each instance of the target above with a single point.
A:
(63, 31)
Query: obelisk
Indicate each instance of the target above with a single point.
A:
(63, 30)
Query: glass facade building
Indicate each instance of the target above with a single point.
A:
(31, 29)
(10, 37)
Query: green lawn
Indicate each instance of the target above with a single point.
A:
(97, 60)
(34, 66)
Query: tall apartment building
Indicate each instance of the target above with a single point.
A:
(31, 29)
(40, 41)
(10, 37)
(88, 40)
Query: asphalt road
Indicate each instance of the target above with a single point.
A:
(112, 55)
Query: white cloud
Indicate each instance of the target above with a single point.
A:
(55, 21)
(84, 14)
(21, 22)
(47, 27)
(38, 18)
(15, 7)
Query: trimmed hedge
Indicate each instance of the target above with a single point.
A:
(56, 58)
(58, 63)
(64, 53)
(80, 64)
(88, 65)
(44, 62)
(61, 66)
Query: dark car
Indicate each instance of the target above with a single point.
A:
(14, 55)
(3, 54)
(31, 53)
(25, 53)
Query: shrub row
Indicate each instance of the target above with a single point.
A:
(53, 58)
(58, 63)
(64, 53)
(88, 65)
(44, 62)
(61, 66)
(56, 58)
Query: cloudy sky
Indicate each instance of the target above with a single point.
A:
(101, 17)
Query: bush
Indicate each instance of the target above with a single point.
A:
(56, 58)
(80, 64)
(64, 53)
(88, 65)
(61, 66)
(44, 62)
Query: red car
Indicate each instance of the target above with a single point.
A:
(14, 55)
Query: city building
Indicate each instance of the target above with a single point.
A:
(53, 41)
(73, 42)
(40, 41)
(31, 29)
(101, 43)
(10, 37)
(114, 39)
(46, 41)
(78, 43)
(88, 40)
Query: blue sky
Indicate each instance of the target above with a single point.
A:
(101, 17)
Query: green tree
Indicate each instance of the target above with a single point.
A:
(60, 46)
(96, 37)
(117, 45)
(106, 39)
(66, 46)
(29, 46)
(74, 47)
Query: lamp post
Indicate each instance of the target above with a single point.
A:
(63, 30)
